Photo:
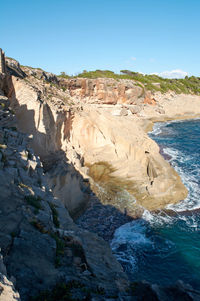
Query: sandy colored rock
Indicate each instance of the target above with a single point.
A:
(133, 156)
(36, 229)
(101, 90)
(103, 120)
(93, 135)
(7, 290)
(84, 134)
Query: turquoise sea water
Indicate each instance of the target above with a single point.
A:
(164, 247)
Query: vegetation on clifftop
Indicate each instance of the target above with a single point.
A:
(187, 85)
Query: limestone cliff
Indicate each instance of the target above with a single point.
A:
(40, 244)
(66, 127)
(67, 135)
(107, 91)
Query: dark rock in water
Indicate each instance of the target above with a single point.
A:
(166, 212)
(102, 219)
(165, 156)
(153, 292)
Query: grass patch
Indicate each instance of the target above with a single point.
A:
(60, 247)
(13, 234)
(34, 68)
(3, 158)
(12, 112)
(34, 201)
(22, 185)
(63, 75)
(55, 215)
(38, 226)
(2, 105)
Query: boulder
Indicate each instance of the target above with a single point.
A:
(13, 68)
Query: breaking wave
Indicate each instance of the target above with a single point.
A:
(163, 247)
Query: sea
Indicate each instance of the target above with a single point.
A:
(164, 247)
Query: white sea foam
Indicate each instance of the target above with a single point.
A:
(157, 128)
(157, 219)
(192, 202)
(130, 239)
(127, 240)
(176, 156)
(132, 242)
(189, 179)
(133, 233)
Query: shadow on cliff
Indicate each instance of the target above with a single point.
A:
(64, 180)
(90, 213)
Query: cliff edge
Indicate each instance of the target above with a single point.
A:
(73, 119)
(42, 250)
(61, 141)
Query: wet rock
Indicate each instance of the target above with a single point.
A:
(177, 292)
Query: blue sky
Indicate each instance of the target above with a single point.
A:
(147, 36)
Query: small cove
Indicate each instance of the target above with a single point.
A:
(162, 247)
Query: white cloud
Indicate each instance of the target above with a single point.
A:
(177, 73)
(133, 58)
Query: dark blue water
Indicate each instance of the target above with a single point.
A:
(163, 248)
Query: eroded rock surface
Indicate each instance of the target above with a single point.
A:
(40, 243)
(107, 91)
(90, 133)
(86, 132)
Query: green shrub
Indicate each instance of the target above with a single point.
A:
(55, 215)
(22, 185)
(13, 234)
(186, 85)
(60, 247)
(34, 201)
(38, 226)
(63, 74)
(3, 158)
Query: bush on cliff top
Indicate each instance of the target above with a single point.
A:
(188, 85)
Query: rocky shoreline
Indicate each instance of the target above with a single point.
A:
(102, 220)
(40, 244)
(88, 134)
(61, 143)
